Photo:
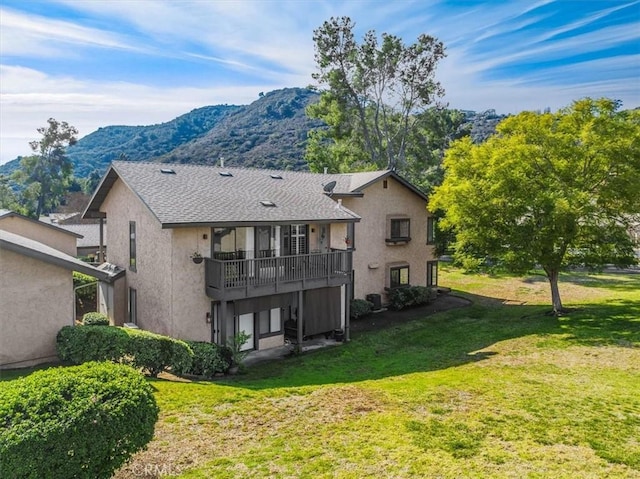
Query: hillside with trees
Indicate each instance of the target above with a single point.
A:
(269, 133)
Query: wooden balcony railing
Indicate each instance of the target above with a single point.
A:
(315, 268)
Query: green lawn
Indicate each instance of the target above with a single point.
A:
(497, 389)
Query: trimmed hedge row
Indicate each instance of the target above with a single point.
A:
(400, 298)
(150, 352)
(83, 421)
(95, 319)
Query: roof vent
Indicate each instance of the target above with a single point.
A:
(276, 176)
(270, 204)
(225, 173)
(168, 171)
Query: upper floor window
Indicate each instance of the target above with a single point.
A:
(399, 230)
(431, 230)
(132, 246)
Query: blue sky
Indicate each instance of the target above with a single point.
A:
(96, 63)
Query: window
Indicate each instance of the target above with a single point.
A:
(432, 273)
(399, 276)
(298, 239)
(431, 231)
(269, 322)
(133, 306)
(399, 230)
(132, 246)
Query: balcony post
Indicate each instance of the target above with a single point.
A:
(222, 322)
(300, 320)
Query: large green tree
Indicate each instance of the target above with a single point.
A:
(46, 175)
(374, 93)
(553, 189)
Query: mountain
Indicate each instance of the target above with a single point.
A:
(270, 132)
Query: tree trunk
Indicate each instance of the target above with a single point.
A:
(552, 275)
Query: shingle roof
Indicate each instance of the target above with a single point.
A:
(89, 232)
(34, 249)
(196, 194)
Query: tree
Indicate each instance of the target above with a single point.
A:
(47, 174)
(375, 92)
(552, 189)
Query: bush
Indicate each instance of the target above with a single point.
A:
(95, 319)
(80, 344)
(82, 421)
(360, 308)
(141, 349)
(400, 298)
(154, 353)
(208, 359)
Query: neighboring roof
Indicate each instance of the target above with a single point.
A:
(89, 233)
(360, 181)
(201, 195)
(208, 195)
(34, 249)
(13, 214)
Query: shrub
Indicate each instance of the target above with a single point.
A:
(82, 421)
(208, 359)
(141, 349)
(400, 298)
(154, 353)
(80, 344)
(360, 308)
(95, 319)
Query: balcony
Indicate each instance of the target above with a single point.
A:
(231, 279)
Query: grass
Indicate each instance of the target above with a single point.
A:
(498, 389)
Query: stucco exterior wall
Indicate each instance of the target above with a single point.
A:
(373, 256)
(152, 277)
(189, 301)
(36, 300)
(60, 240)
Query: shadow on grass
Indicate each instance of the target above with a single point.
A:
(604, 280)
(446, 340)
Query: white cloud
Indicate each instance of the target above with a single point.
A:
(33, 35)
(30, 97)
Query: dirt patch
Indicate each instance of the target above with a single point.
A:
(387, 318)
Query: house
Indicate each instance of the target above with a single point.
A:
(36, 291)
(49, 234)
(211, 251)
(394, 243)
(88, 245)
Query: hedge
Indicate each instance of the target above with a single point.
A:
(150, 352)
(95, 319)
(400, 298)
(82, 421)
(208, 359)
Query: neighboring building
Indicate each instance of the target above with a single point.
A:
(49, 234)
(278, 247)
(88, 245)
(36, 294)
